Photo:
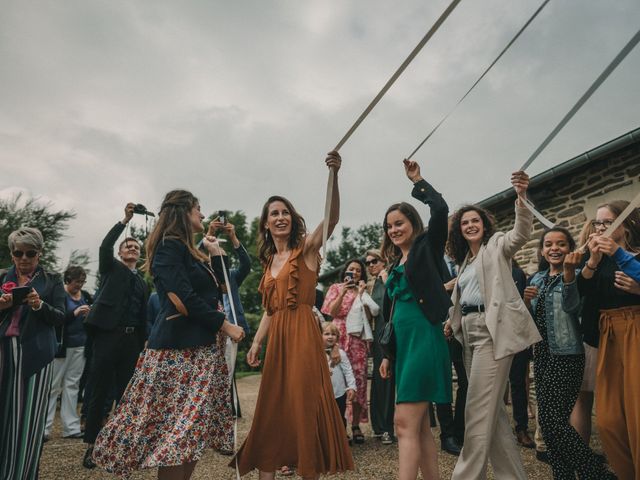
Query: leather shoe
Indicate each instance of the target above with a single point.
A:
(525, 440)
(87, 461)
(449, 445)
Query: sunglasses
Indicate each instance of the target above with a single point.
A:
(368, 263)
(28, 253)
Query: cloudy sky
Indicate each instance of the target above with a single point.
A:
(104, 102)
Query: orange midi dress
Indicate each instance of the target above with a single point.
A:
(296, 421)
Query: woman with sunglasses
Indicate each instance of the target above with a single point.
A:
(615, 299)
(27, 350)
(383, 391)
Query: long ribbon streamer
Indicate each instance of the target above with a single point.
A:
(596, 84)
(234, 355)
(581, 101)
(504, 50)
(370, 107)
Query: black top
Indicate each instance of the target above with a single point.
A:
(425, 267)
(197, 286)
(600, 293)
(112, 302)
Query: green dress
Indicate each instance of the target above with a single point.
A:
(422, 365)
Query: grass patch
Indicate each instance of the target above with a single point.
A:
(246, 374)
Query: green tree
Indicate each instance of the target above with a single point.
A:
(352, 244)
(18, 211)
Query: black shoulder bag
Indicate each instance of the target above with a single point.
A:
(387, 337)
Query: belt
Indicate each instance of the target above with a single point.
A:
(127, 330)
(467, 309)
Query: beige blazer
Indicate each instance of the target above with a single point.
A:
(508, 320)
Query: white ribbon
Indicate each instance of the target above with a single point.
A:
(374, 102)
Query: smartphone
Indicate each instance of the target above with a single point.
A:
(19, 294)
(348, 276)
(222, 216)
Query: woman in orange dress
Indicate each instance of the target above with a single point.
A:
(296, 421)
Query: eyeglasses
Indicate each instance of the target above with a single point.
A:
(368, 263)
(603, 223)
(28, 253)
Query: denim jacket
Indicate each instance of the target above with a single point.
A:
(562, 307)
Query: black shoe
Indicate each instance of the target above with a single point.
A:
(449, 445)
(87, 461)
(75, 436)
(542, 456)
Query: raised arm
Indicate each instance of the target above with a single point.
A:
(515, 238)
(423, 191)
(313, 243)
(105, 255)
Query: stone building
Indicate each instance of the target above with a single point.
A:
(569, 194)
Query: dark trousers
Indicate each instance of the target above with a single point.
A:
(450, 425)
(342, 406)
(114, 353)
(383, 396)
(518, 382)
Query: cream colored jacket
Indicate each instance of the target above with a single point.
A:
(508, 320)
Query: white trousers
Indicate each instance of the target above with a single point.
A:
(66, 379)
(488, 435)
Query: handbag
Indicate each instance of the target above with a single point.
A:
(387, 337)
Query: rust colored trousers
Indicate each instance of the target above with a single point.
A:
(618, 390)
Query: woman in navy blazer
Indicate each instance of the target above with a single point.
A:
(178, 402)
(27, 349)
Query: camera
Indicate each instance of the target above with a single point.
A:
(142, 210)
(222, 216)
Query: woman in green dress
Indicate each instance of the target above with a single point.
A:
(417, 304)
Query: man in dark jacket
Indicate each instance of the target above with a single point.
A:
(116, 325)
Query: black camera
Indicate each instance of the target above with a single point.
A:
(142, 210)
(222, 216)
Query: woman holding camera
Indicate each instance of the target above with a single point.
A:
(417, 304)
(177, 404)
(296, 420)
(31, 305)
(339, 301)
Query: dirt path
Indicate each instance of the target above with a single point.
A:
(62, 459)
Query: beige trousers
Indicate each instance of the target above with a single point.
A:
(488, 435)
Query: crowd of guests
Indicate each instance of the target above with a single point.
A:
(448, 297)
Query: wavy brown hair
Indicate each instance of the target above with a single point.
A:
(266, 246)
(457, 247)
(173, 223)
(631, 224)
(390, 252)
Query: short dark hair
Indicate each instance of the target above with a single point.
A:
(74, 272)
(129, 239)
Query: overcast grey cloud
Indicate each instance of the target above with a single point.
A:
(103, 102)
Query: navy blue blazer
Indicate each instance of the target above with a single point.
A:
(197, 286)
(37, 328)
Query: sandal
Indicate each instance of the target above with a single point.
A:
(285, 471)
(358, 437)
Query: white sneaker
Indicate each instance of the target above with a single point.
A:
(386, 439)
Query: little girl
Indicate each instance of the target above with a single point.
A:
(558, 360)
(342, 378)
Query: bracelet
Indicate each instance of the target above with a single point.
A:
(37, 309)
(586, 265)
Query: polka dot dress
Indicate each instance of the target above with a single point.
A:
(558, 379)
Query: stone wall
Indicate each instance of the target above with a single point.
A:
(571, 199)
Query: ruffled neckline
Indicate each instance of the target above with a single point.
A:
(268, 284)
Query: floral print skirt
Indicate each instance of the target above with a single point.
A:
(177, 404)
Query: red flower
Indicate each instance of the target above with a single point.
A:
(8, 286)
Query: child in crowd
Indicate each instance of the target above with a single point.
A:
(342, 379)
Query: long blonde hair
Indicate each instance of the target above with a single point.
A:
(173, 223)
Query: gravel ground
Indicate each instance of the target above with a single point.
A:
(62, 459)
